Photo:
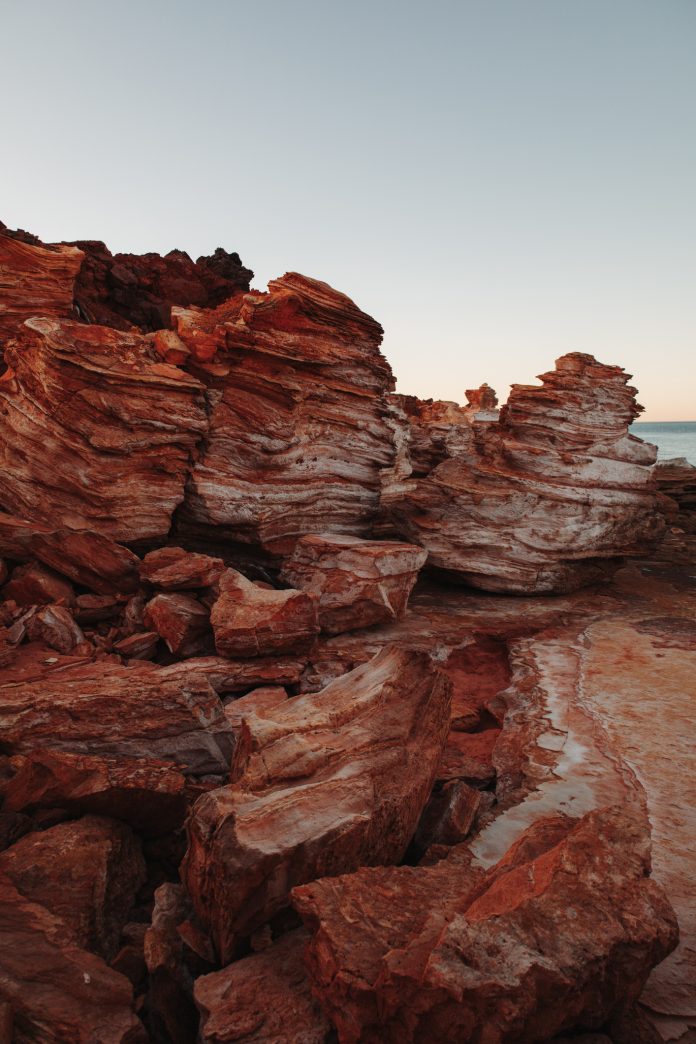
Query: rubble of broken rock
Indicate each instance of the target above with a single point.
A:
(326, 713)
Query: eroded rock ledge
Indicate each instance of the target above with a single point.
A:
(259, 779)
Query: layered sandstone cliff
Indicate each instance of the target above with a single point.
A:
(229, 701)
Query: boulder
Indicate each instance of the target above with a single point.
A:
(174, 569)
(249, 620)
(54, 625)
(336, 780)
(134, 711)
(262, 998)
(531, 948)
(57, 992)
(34, 584)
(87, 872)
(356, 582)
(147, 793)
(181, 621)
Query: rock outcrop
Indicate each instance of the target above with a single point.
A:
(356, 582)
(35, 280)
(335, 780)
(481, 805)
(121, 423)
(548, 498)
(298, 430)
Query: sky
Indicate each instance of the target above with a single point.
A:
(498, 182)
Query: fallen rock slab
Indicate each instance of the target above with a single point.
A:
(262, 998)
(56, 991)
(134, 711)
(181, 621)
(531, 948)
(357, 582)
(147, 793)
(335, 780)
(174, 569)
(87, 872)
(249, 620)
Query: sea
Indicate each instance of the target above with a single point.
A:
(672, 438)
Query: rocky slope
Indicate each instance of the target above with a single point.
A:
(263, 775)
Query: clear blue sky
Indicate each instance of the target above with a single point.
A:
(497, 182)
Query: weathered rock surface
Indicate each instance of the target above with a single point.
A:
(147, 793)
(55, 626)
(356, 582)
(265, 997)
(87, 872)
(56, 991)
(174, 569)
(134, 711)
(298, 430)
(34, 584)
(34, 280)
(336, 780)
(519, 953)
(121, 423)
(677, 479)
(548, 498)
(249, 620)
(181, 621)
(127, 290)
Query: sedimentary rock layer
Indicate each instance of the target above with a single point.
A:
(298, 430)
(548, 498)
(35, 280)
(335, 780)
(95, 433)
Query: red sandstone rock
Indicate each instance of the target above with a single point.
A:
(34, 584)
(298, 430)
(134, 711)
(181, 621)
(87, 872)
(35, 280)
(147, 793)
(548, 498)
(170, 999)
(254, 703)
(449, 815)
(531, 948)
(3, 572)
(142, 646)
(249, 620)
(336, 780)
(56, 991)
(89, 559)
(262, 998)
(174, 569)
(230, 676)
(91, 608)
(121, 425)
(677, 479)
(55, 626)
(357, 582)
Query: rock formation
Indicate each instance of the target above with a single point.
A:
(357, 582)
(548, 498)
(232, 699)
(335, 780)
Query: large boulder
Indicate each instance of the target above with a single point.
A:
(357, 582)
(560, 933)
(87, 872)
(335, 780)
(250, 620)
